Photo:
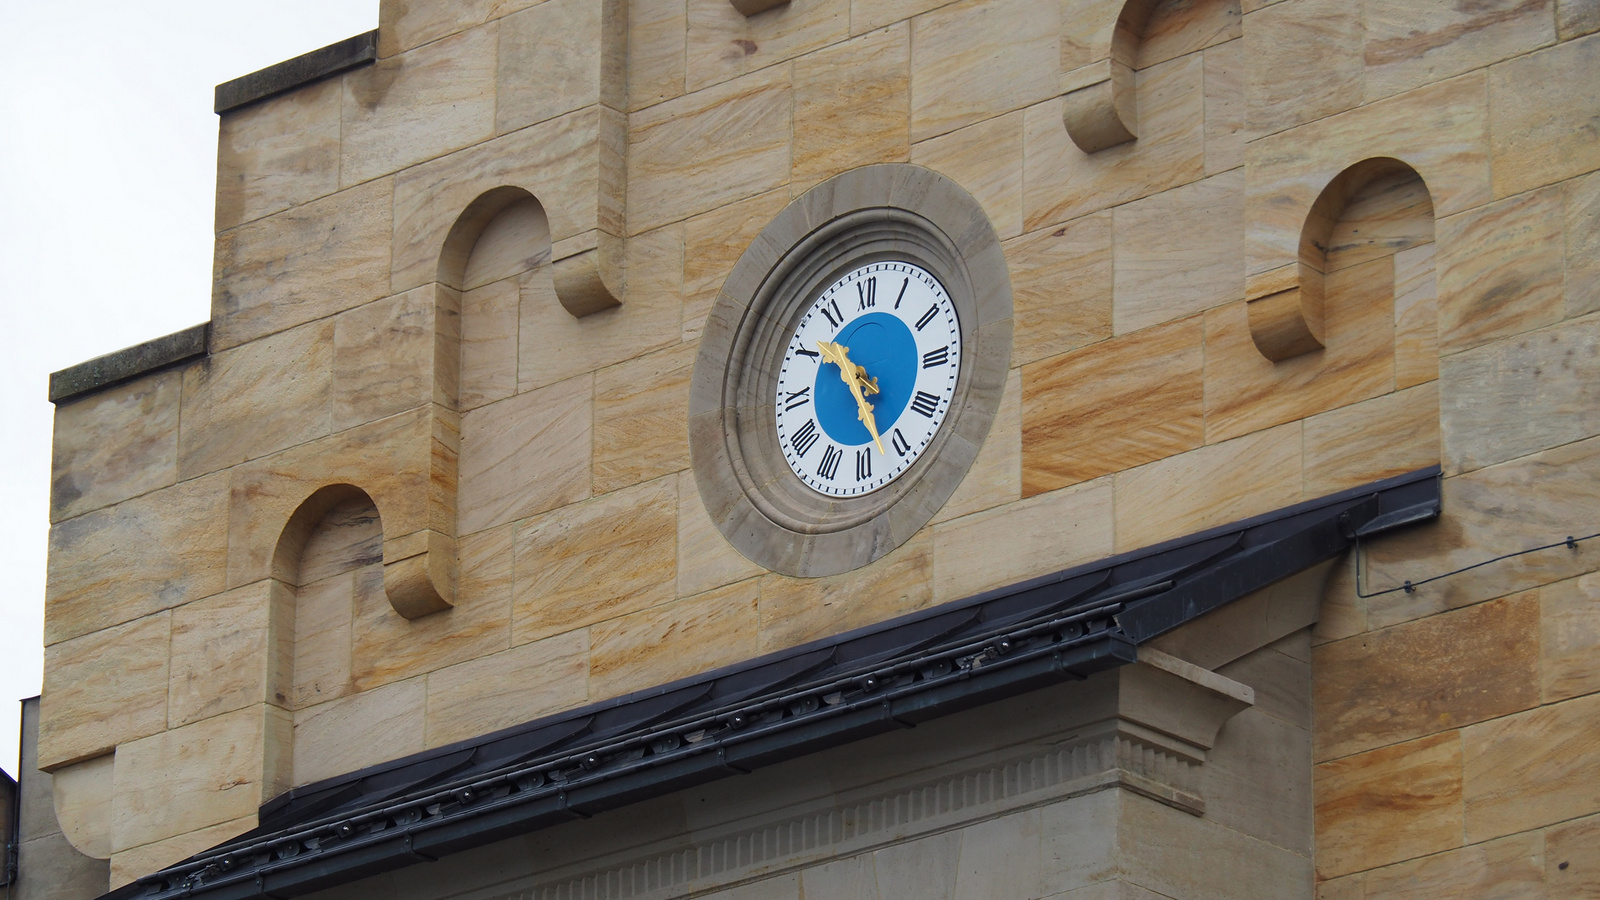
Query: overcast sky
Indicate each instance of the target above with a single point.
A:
(107, 174)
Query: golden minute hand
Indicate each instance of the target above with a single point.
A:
(856, 378)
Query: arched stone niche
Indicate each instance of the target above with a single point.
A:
(1374, 209)
(1101, 108)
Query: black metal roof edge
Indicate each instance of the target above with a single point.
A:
(292, 73)
(129, 363)
(1383, 486)
(913, 687)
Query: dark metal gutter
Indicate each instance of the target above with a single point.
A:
(898, 674)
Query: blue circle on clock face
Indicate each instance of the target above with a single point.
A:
(885, 347)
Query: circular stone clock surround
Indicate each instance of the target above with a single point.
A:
(892, 212)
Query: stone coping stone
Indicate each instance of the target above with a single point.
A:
(129, 363)
(292, 73)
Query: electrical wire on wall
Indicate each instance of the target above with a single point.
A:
(1410, 587)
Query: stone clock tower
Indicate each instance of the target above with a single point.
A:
(1003, 449)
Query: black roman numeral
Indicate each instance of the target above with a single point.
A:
(797, 398)
(802, 440)
(829, 466)
(864, 464)
(936, 357)
(925, 403)
(815, 356)
(867, 292)
(899, 443)
(927, 317)
(835, 317)
(902, 295)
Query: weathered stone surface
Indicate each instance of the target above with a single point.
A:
(1582, 206)
(640, 408)
(1177, 28)
(1060, 287)
(1530, 769)
(558, 161)
(1575, 18)
(555, 345)
(1526, 503)
(388, 647)
(657, 49)
(403, 26)
(1511, 867)
(323, 623)
(1441, 131)
(1429, 676)
(921, 868)
(278, 154)
(517, 685)
(607, 557)
(1569, 626)
(866, 15)
(705, 558)
(1246, 392)
(1042, 534)
(1572, 864)
(515, 240)
(192, 777)
(851, 105)
(698, 152)
(82, 804)
(223, 656)
(674, 640)
(525, 455)
(1378, 438)
(712, 243)
(1177, 252)
(1390, 804)
(1061, 182)
(150, 553)
(1416, 317)
(724, 43)
(1500, 270)
(489, 337)
(1282, 91)
(974, 60)
(797, 610)
(1409, 45)
(301, 264)
(549, 62)
(359, 730)
(1225, 105)
(417, 105)
(395, 461)
(995, 477)
(250, 401)
(1257, 778)
(1111, 406)
(1545, 382)
(1212, 485)
(986, 160)
(383, 358)
(115, 444)
(1541, 118)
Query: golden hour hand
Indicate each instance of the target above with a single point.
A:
(859, 382)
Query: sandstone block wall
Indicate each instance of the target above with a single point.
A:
(402, 248)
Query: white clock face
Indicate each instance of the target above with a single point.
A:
(868, 376)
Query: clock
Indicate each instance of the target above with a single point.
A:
(849, 370)
(867, 378)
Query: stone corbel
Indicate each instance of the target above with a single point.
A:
(1100, 105)
(1164, 716)
(1100, 109)
(1285, 307)
(419, 573)
(588, 272)
(751, 7)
